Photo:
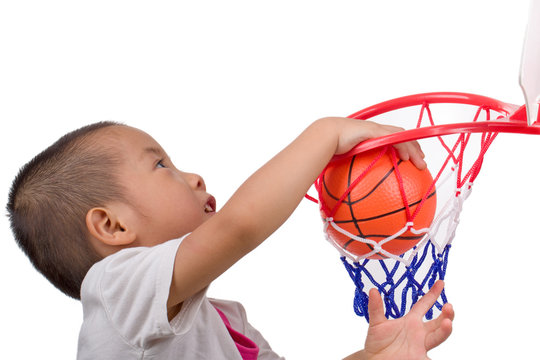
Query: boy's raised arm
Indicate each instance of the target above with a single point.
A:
(266, 199)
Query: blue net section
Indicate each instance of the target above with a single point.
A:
(400, 285)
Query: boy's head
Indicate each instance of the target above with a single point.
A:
(95, 191)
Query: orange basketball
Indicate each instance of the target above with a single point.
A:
(374, 208)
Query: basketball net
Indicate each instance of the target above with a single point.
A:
(455, 159)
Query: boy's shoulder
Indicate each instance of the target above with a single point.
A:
(129, 269)
(127, 292)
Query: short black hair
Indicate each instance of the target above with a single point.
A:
(50, 197)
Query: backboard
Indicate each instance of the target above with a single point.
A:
(529, 77)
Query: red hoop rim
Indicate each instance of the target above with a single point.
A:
(513, 119)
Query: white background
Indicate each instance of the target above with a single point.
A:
(223, 85)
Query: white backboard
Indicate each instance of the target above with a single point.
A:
(529, 78)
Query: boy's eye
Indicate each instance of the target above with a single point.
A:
(160, 164)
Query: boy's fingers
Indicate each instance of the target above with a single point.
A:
(440, 334)
(403, 151)
(411, 151)
(427, 301)
(375, 308)
(447, 313)
(417, 156)
(419, 163)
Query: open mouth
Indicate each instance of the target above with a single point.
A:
(210, 205)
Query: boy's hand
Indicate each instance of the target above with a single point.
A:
(351, 132)
(408, 337)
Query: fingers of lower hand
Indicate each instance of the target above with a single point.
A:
(439, 334)
(427, 301)
(446, 317)
(375, 308)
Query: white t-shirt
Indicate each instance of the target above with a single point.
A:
(124, 299)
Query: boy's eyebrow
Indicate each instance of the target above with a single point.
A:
(152, 150)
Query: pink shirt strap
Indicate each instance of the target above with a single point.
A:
(247, 348)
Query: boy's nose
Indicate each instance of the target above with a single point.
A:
(195, 181)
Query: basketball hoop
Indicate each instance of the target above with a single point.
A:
(455, 130)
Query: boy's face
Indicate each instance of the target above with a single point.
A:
(163, 202)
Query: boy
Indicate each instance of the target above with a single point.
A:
(107, 218)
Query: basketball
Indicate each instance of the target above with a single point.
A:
(375, 207)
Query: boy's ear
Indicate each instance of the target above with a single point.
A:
(107, 228)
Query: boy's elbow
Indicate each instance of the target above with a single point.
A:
(244, 226)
